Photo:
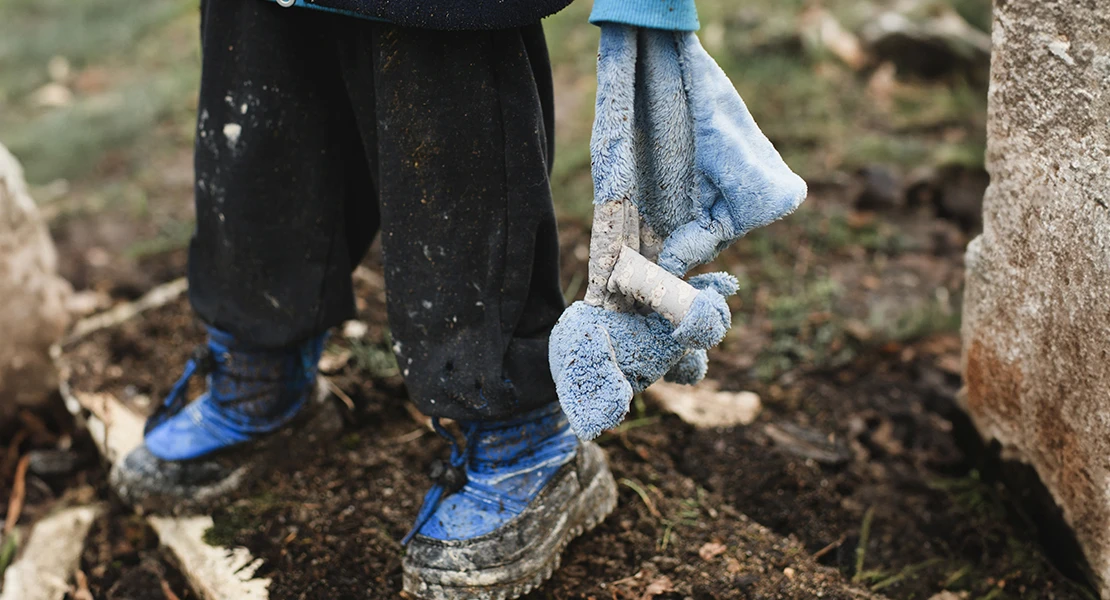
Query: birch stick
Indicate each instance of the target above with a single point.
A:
(640, 279)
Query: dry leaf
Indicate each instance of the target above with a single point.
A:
(662, 585)
(702, 405)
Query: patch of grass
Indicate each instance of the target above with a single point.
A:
(804, 330)
(242, 516)
(68, 142)
(9, 545)
(131, 68)
(918, 320)
(174, 235)
(84, 33)
(818, 112)
(375, 359)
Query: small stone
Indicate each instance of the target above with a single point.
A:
(789, 572)
(50, 463)
(53, 95)
(332, 362)
(354, 330)
(712, 550)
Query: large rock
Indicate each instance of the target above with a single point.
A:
(1037, 310)
(32, 297)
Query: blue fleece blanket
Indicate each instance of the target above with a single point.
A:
(672, 135)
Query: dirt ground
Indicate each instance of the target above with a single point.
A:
(860, 458)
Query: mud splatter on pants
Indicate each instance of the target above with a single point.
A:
(316, 131)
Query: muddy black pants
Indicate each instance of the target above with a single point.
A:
(315, 131)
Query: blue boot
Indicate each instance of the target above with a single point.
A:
(194, 453)
(503, 509)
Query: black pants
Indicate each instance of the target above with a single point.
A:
(317, 130)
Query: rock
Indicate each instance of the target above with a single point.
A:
(1036, 326)
(33, 308)
(927, 40)
(881, 189)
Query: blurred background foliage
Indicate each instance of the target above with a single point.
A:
(880, 105)
(92, 87)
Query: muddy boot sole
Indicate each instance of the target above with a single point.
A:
(151, 485)
(489, 567)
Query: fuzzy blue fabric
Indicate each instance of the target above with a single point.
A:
(690, 369)
(673, 135)
(671, 15)
(742, 180)
(600, 358)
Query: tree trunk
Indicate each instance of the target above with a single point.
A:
(1037, 308)
(32, 296)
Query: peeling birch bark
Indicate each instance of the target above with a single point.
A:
(215, 573)
(640, 279)
(50, 556)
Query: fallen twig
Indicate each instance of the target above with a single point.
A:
(167, 592)
(832, 546)
(156, 297)
(12, 455)
(861, 547)
(419, 417)
(410, 436)
(82, 592)
(19, 491)
(339, 393)
(642, 493)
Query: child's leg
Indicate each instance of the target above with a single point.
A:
(285, 209)
(284, 198)
(462, 123)
(463, 126)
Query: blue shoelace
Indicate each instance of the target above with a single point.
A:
(449, 478)
(203, 361)
(208, 359)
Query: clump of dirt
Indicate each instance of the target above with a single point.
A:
(60, 461)
(123, 561)
(139, 360)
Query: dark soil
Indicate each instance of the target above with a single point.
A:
(123, 560)
(884, 429)
(861, 466)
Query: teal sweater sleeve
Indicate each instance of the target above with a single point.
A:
(672, 15)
